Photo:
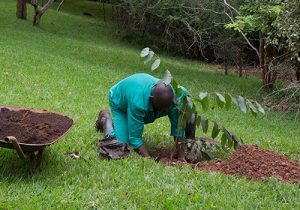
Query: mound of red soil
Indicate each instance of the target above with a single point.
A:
(32, 127)
(250, 161)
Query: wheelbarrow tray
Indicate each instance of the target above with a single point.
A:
(27, 147)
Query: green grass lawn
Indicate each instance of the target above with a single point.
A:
(68, 65)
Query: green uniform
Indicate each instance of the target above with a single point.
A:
(132, 108)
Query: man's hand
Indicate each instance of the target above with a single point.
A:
(180, 149)
(143, 151)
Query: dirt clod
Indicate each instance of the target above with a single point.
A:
(32, 128)
(250, 161)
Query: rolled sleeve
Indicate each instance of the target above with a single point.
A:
(135, 126)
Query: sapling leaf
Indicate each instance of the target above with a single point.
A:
(218, 147)
(215, 130)
(167, 77)
(225, 149)
(230, 143)
(260, 108)
(234, 101)
(204, 124)
(149, 57)
(194, 108)
(207, 154)
(227, 134)
(204, 100)
(242, 105)
(221, 97)
(198, 121)
(178, 91)
(252, 107)
(235, 138)
(228, 100)
(223, 140)
(190, 102)
(208, 145)
(202, 95)
(229, 138)
(235, 145)
(205, 104)
(235, 141)
(220, 100)
(174, 84)
(155, 65)
(144, 52)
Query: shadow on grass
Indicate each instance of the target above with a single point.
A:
(15, 168)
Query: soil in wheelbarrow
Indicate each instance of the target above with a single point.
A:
(249, 161)
(32, 128)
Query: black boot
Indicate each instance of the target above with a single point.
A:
(101, 118)
(104, 123)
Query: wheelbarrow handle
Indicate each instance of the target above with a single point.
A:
(16, 145)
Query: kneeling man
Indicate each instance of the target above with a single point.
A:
(138, 100)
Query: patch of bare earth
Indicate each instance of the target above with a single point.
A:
(250, 161)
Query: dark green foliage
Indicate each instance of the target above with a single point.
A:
(188, 27)
(215, 130)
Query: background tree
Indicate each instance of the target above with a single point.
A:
(254, 20)
(22, 9)
(196, 29)
(39, 10)
(185, 27)
(286, 34)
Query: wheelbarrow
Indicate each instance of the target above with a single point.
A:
(13, 131)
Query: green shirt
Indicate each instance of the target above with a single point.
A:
(132, 96)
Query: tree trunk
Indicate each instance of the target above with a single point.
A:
(60, 4)
(268, 77)
(38, 13)
(37, 18)
(112, 12)
(104, 15)
(240, 66)
(298, 72)
(21, 9)
(226, 67)
(225, 59)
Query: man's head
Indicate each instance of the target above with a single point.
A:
(162, 96)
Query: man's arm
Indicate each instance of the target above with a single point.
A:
(135, 129)
(178, 135)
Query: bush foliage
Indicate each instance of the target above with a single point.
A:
(234, 32)
(185, 27)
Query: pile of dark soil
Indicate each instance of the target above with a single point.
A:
(250, 161)
(32, 127)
